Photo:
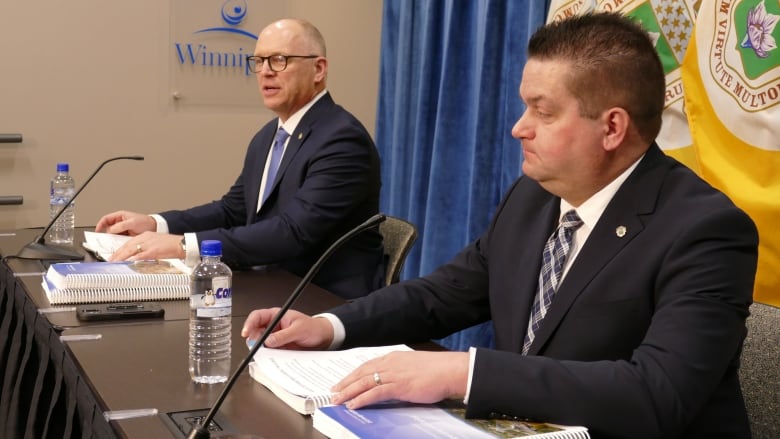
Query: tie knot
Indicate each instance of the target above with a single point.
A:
(281, 135)
(571, 220)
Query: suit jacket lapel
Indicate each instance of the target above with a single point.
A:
(293, 146)
(301, 133)
(618, 225)
(524, 278)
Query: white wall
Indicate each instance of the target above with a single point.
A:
(88, 80)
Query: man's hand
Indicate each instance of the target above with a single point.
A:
(295, 331)
(150, 245)
(123, 222)
(419, 376)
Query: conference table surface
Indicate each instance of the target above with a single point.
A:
(142, 364)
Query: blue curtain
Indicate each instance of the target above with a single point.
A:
(448, 97)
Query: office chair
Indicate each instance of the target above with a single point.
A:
(398, 235)
(759, 370)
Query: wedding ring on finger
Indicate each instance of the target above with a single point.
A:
(377, 379)
(138, 248)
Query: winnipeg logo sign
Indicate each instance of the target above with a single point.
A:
(221, 52)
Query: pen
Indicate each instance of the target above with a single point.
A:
(31, 273)
(56, 309)
(127, 414)
(81, 337)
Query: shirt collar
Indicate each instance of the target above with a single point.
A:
(292, 123)
(590, 211)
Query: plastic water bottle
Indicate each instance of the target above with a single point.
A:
(210, 316)
(61, 191)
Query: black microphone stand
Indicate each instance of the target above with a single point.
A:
(39, 249)
(201, 431)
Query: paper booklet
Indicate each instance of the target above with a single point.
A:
(116, 294)
(119, 274)
(406, 420)
(103, 245)
(303, 379)
(91, 282)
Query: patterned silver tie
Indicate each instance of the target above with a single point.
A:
(553, 260)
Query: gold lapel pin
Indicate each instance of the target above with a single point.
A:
(300, 136)
(620, 231)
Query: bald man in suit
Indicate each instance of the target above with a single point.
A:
(327, 181)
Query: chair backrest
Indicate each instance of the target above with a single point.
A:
(759, 370)
(399, 236)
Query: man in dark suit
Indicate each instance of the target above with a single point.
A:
(326, 181)
(633, 323)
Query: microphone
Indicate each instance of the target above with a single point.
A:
(38, 249)
(201, 431)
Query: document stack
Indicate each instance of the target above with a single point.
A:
(93, 282)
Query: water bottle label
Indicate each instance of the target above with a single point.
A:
(214, 302)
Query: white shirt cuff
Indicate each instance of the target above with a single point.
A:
(162, 225)
(191, 249)
(472, 355)
(339, 333)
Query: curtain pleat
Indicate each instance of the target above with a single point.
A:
(448, 98)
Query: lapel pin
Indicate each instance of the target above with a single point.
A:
(620, 231)
(300, 136)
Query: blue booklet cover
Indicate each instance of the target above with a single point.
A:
(405, 420)
(162, 272)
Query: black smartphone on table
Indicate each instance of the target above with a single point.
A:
(119, 311)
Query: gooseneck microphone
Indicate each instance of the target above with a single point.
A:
(201, 431)
(38, 249)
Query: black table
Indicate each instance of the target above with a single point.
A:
(52, 388)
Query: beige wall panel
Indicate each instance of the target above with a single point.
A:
(87, 80)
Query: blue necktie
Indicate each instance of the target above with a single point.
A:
(277, 150)
(553, 259)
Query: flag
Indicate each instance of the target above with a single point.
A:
(722, 112)
(731, 76)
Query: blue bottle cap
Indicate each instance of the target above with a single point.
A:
(62, 167)
(211, 247)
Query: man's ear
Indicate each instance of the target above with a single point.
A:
(616, 124)
(321, 69)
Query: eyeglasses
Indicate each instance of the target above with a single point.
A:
(276, 63)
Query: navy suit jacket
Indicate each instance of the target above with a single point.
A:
(644, 335)
(328, 182)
